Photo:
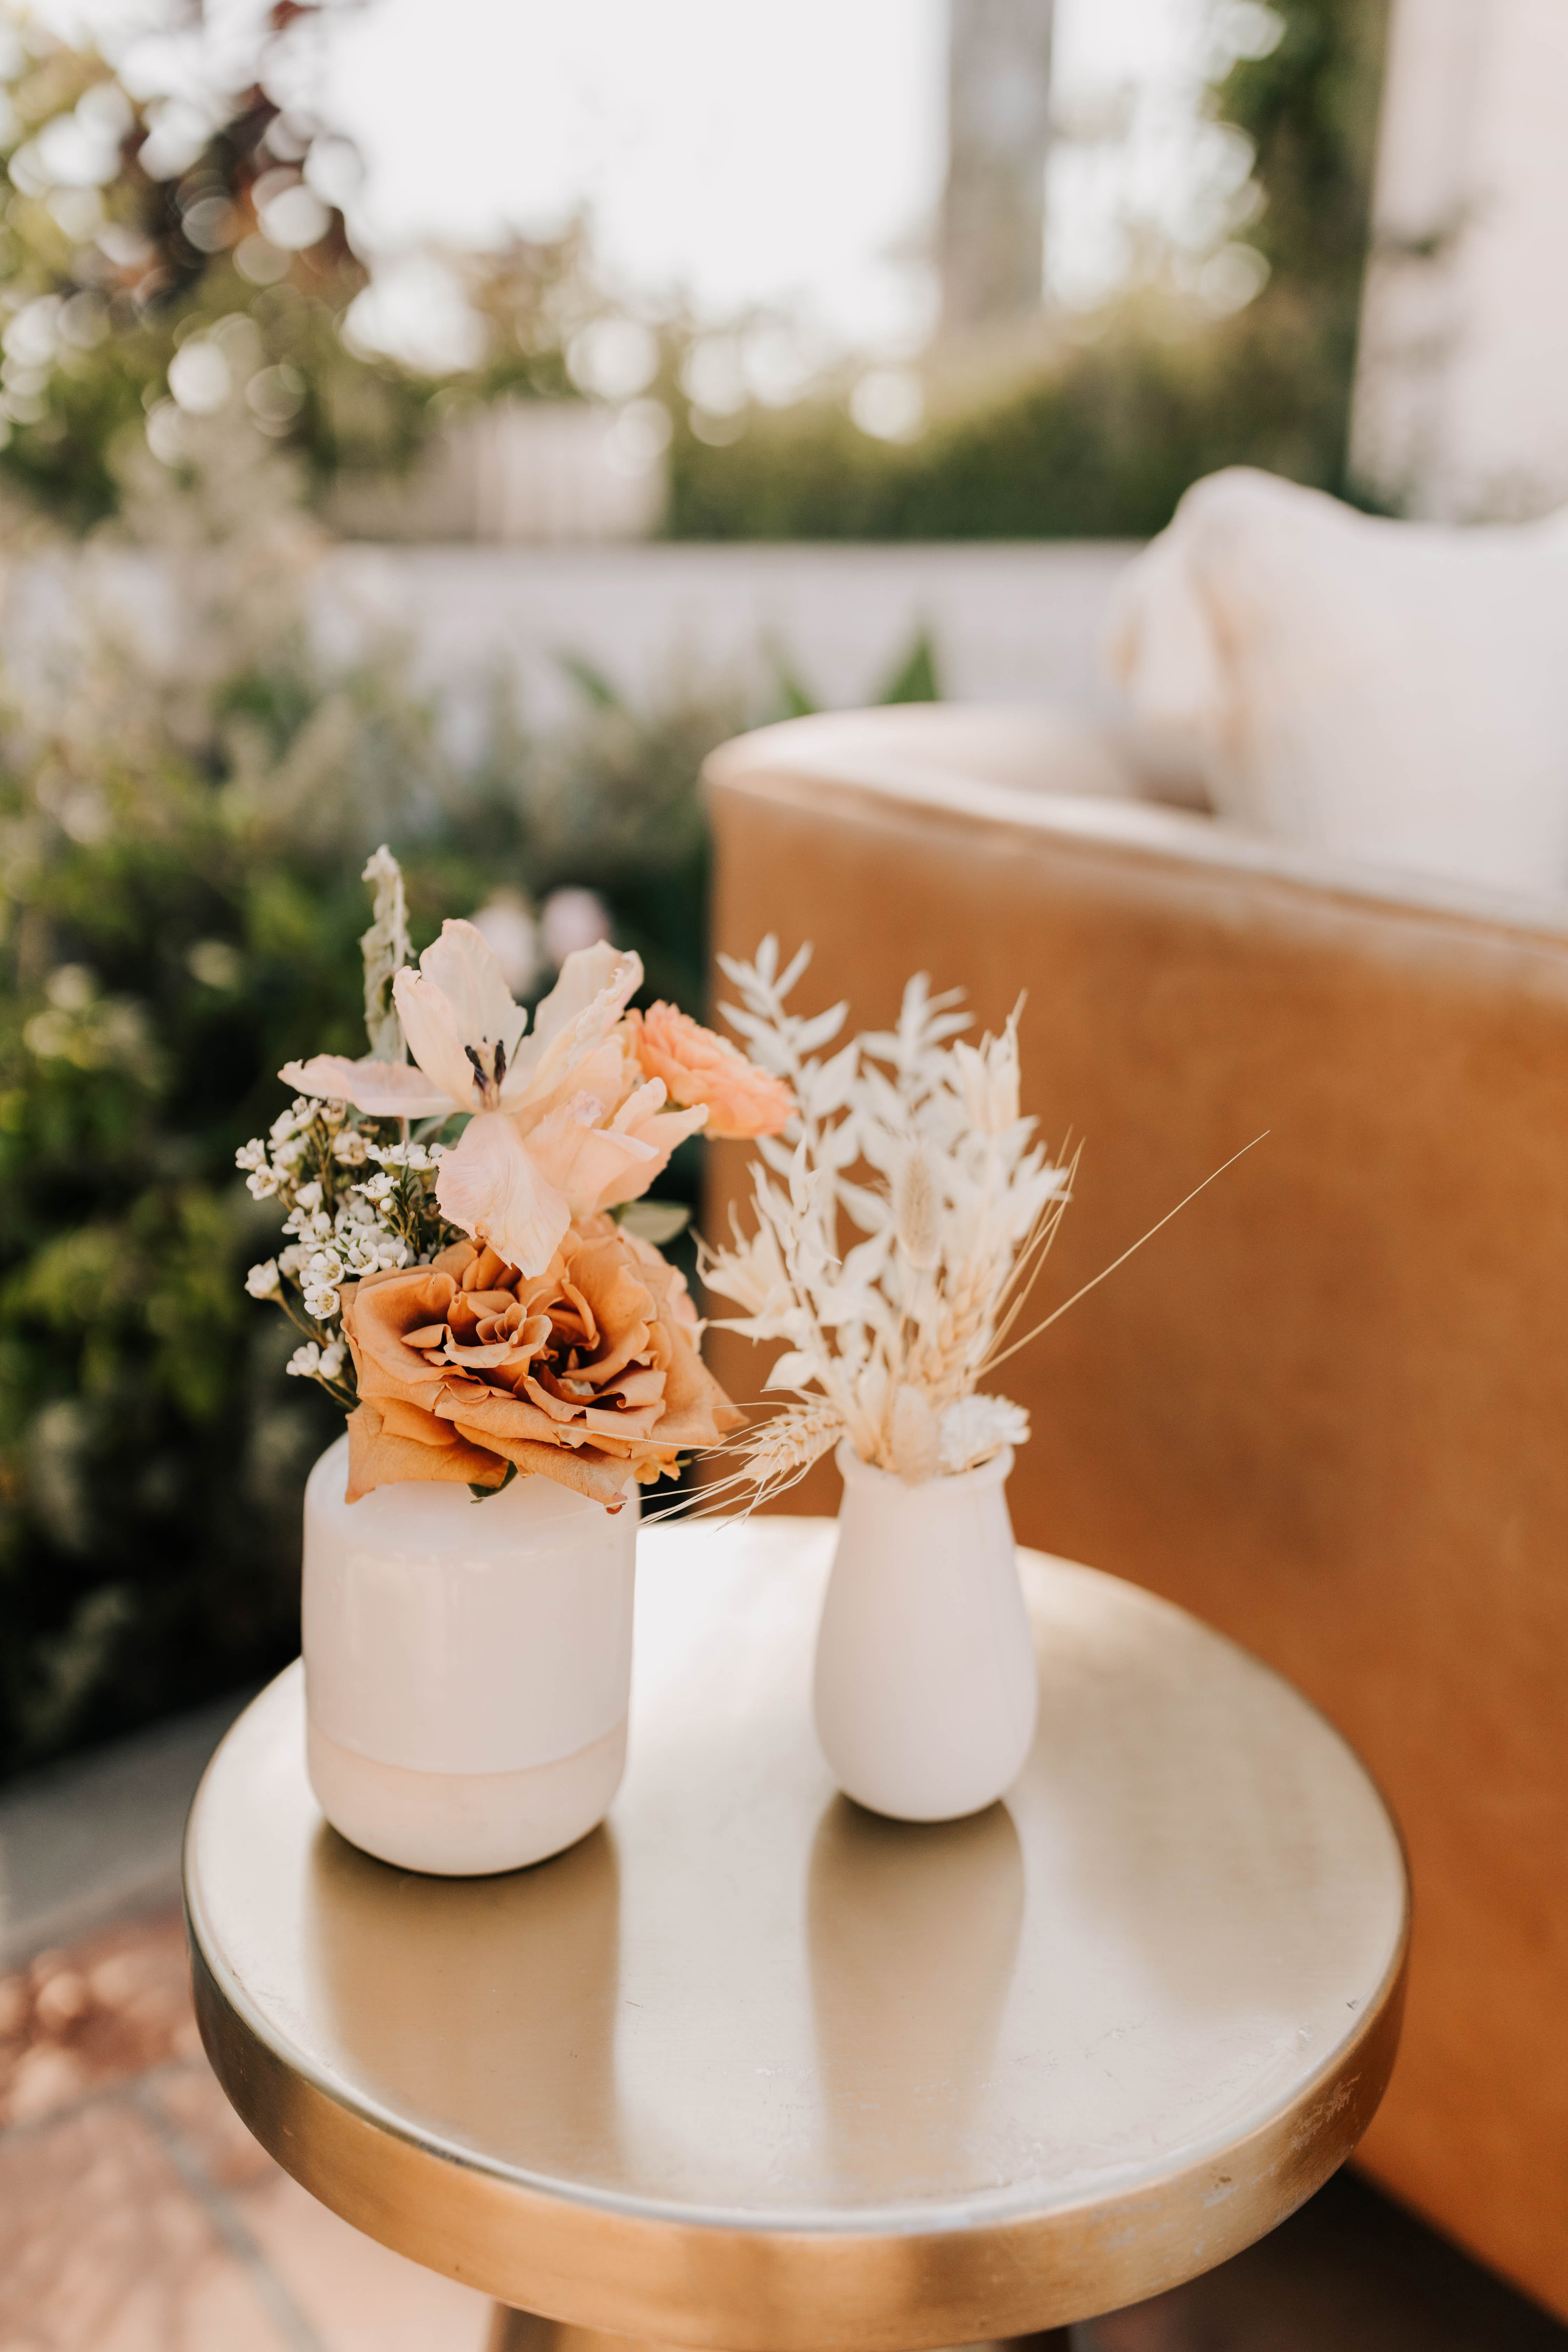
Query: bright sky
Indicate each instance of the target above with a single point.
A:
(770, 154)
(742, 152)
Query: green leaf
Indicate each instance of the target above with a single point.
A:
(597, 688)
(655, 1221)
(915, 680)
(795, 699)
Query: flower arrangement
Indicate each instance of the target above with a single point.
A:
(885, 1342)
(492, 1300)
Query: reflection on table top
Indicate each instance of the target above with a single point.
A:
(746, 2003)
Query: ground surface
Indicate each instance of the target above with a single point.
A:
(138, 2215)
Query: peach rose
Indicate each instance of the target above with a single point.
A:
(699, 1067)
(574, 1374)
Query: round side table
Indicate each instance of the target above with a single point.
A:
(752, 2070)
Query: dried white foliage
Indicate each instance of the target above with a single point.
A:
(913, 1138)
(386, 949)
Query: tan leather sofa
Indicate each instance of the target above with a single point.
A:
(1326, 1408)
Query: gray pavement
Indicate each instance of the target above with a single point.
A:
(97, 1836)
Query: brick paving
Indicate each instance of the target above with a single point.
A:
(137, 2214)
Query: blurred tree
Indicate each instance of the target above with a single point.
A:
(992, 230)
(130, 225)
(1100, 434)
(1310, 105)
(154, 255)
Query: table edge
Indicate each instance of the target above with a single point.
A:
(717, 2283)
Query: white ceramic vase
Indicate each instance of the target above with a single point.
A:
(467, 1667)
(926, 1687)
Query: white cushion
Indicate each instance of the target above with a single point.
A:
(1383, 690)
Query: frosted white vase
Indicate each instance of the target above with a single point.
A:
(926, 1687)
(467, 1667)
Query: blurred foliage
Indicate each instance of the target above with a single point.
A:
(1310, 108)
(1102, 445)
(129, 232)
(181, 840)
(133, 229)
(1102, 435)
(135, 243)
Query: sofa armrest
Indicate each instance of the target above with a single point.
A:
(1055, 748)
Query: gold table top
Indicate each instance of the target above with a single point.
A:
(751, 2069)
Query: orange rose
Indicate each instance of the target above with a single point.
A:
(467, 1365)
(699, 1067)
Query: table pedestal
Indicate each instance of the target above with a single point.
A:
(522, 2331)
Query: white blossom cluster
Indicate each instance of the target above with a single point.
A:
(885, 1343)
(356, 1205)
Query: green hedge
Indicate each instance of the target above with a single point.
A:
(1101, 446)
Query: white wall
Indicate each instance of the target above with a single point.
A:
(523, 472)
(1462, 390)
(1009, 623)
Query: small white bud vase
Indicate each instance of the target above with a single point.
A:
(467, 1667)
(926, 1689)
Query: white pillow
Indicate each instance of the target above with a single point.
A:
(1381, 690)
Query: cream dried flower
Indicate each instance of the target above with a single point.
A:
(884, 1342)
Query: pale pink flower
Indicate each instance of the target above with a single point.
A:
(570, 919)
(505, 921)
(562, 1124)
